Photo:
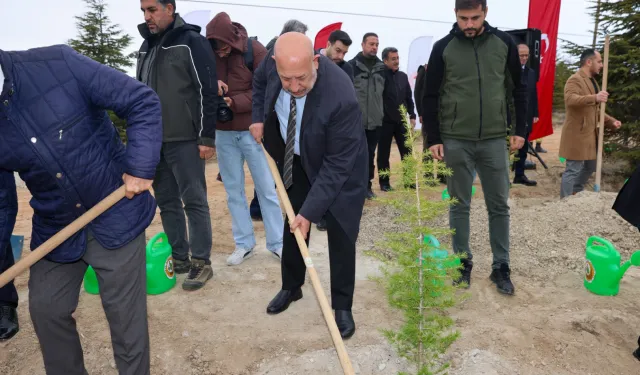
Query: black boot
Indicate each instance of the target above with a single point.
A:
(637, 352)
(502, 278)
(345, 323)
(181, 266)
(8, 322)
(465, 274)
(524, 180)
(282, 300)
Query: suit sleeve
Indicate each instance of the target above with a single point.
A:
(131, 100)
(409, 101)
(205, 80)
(8, 210)
(259, 89)
(535, 99)
(418, 90)
(519, 92)
(344, 137)
(242, 101)
(434, 76)
(573, 94)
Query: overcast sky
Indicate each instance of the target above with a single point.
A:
(34, 23)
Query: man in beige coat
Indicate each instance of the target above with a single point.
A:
(582, 98)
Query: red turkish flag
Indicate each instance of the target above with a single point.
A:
(545, 15)
(323, 35)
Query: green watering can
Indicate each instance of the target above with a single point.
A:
(440, 257)
(603, 271)
(160, 275)
(445, 193)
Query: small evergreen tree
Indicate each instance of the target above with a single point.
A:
(103, 42)
(415, 280)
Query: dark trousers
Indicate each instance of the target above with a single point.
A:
(180, 178)
(8, 293)
(372, 142)
(342, 252)
(54, 289)
(522, 158)
(387, 134)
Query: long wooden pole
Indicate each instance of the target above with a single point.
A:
(55, 241)
(596, 24)
(313, 274)
(603, 106)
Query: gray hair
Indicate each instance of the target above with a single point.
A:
(294, 26)
(387, 51)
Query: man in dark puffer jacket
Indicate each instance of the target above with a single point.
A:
(58, 136)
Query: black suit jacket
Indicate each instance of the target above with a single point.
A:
(528, 78)
(333, 145)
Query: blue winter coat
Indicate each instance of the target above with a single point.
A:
(56, 133)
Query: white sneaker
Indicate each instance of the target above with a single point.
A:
(277, 254)
(238, 256)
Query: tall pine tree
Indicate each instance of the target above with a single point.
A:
(621, 20)
(104, 42)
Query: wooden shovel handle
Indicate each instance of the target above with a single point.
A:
(55, 241)
(345, 362)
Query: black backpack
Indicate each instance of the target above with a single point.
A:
(248, 56)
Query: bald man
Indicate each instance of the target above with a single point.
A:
(313, 131)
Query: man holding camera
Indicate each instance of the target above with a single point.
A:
(178, 64)
(237, 56)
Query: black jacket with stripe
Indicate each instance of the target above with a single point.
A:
(180, 67)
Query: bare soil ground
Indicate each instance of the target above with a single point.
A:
(551, 326)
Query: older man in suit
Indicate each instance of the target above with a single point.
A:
(578, 143)
(528, 78)
(314, 133)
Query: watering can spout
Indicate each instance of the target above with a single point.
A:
(634, 261)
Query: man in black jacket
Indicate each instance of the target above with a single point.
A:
(337, 47)
(313, 131)
(397, 92)
(178, 63)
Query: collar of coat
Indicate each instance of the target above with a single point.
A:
(587, 80)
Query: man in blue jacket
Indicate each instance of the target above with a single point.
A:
(57, 135)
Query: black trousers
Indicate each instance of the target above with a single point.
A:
(522, 158)
(342, 252)
(8, 293)
(388, 133)
(372, 142)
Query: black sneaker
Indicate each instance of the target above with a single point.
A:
(540, 150)
(637, 352)
(502, 278)
(386, 188)
(181, 266)
(199, 274)
(465, 274)
(9, 326)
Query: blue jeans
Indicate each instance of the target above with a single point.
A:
(233, 148)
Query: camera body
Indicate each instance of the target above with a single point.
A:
(224, 113)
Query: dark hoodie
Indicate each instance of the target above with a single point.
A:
(232, 70)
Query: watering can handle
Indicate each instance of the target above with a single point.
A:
(433, 240)
(604, 242)
(155, 239)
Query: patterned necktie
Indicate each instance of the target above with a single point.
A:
(290, 145)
